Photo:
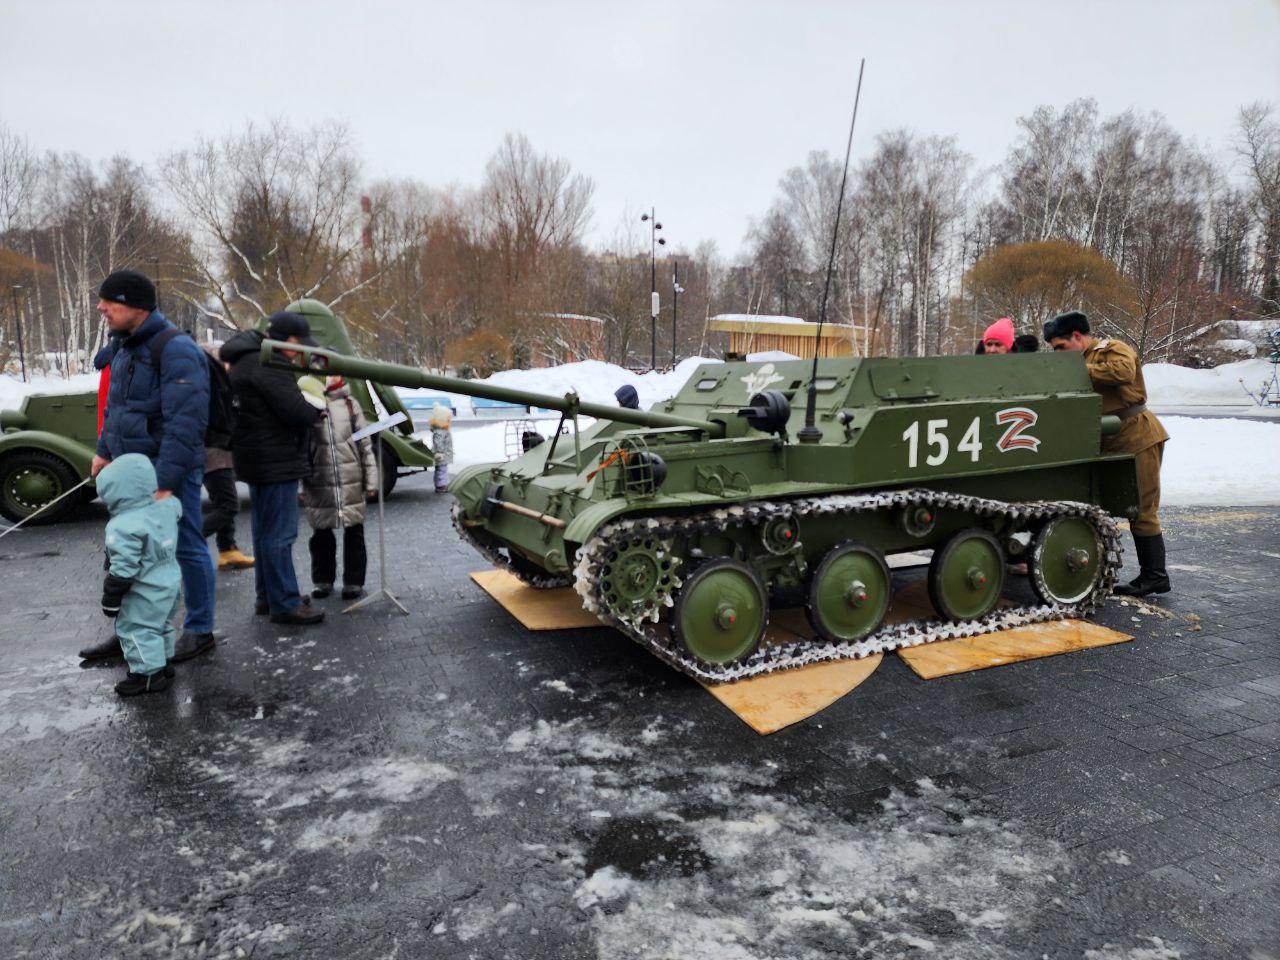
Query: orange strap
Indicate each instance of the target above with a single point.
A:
(608, 461)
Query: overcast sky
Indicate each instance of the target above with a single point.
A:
(695, 107)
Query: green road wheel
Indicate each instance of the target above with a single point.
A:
(721, 611)
(1066, 560)
(850, 592)
(966, 575)
(31, 478)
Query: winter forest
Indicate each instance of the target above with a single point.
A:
(1164, 241)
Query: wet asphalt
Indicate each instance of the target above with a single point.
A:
(447, 784)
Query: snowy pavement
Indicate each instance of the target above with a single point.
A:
(450, 785)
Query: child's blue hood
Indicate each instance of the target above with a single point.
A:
(127, 482)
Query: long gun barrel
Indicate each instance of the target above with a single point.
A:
(320, 361)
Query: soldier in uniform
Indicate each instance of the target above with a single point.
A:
(1117, 377)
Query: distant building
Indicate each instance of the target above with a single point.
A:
(753, 333)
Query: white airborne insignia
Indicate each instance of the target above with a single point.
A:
(761, 379)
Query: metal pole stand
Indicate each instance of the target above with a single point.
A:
(383, 592)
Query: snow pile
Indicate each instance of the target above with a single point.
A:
(12, 389)
(1168, 383)
(1220, 463)
(594, 380)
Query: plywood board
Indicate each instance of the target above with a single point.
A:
(775, 700)
(944, 658)
(557, 609)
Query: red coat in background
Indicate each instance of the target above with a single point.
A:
(104, 382)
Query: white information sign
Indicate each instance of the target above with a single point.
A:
(383, 424)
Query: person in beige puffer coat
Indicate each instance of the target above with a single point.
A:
(343, 473)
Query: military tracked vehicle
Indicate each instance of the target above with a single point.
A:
(680, 525)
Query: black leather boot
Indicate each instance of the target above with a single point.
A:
(109, 647)
(1152, 576)
(136, 683)
(192, 645)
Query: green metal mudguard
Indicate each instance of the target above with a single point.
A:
(412, 453)
(79, 456)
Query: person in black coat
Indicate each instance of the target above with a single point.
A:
(270, 448)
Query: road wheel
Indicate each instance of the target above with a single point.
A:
(1066, 560)
(850, 593)
(31, 478)
(966, 576)
(721, 611)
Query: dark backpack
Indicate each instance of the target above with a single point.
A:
(222, 412)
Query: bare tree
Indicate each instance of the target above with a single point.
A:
(275, 210)
(1259, 147)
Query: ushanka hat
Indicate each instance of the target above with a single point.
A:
(1065, 324)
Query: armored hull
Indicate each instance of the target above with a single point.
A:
(683, 524)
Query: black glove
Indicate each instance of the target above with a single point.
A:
(113, 590)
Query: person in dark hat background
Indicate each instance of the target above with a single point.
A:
(271, 452)
(1117, 377)
(159, 406)
(627, 397)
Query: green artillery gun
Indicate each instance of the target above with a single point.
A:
(46, 446)
(682, 524)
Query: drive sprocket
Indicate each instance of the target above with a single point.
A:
(637, 577)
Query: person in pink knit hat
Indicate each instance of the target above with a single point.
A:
(998, 338)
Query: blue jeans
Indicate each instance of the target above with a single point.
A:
(193, 557)
(273, 510)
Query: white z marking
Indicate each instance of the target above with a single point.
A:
(1019, 419)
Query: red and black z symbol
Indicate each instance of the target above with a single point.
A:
(1019, 420)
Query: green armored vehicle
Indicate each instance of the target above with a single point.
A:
(47, 446)
(681, 525)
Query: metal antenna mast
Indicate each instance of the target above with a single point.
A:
(810, 433)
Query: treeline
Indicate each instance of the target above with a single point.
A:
(1122, 215)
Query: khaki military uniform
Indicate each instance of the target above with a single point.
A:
(1117, 377)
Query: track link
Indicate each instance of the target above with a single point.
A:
(787, 656)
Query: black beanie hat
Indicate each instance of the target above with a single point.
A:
(1064, 324)
(130, 288)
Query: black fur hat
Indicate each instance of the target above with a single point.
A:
(1064, 324)
(1025, 343)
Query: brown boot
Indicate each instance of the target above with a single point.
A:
(233, 559)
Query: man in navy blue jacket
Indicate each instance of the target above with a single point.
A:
(159, 407)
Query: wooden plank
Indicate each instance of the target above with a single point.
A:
(945, 658)
(558, 609)
(775, 700)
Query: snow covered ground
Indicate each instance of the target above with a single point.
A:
(1170, 385)
(1207, 462)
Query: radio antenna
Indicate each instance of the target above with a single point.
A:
(810, 433)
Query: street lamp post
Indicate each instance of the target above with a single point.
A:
(17, 322)
(655, 241)
(676, 290)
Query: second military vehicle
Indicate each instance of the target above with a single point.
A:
(682, 524)
(47, 445)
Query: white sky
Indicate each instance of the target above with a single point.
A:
(695, 107)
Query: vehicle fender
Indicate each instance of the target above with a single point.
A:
(585, 524)
(411, 453)
(79, 456)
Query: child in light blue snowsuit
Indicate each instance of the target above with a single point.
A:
(143, 580)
